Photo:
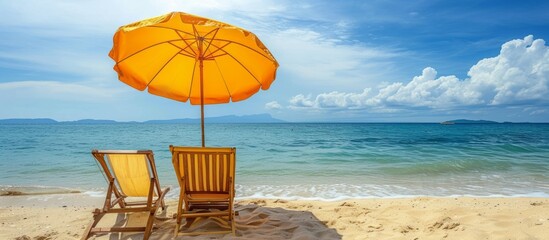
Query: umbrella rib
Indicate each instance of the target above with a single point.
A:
(143, 49)
(185, 40)
(213, 37)
(192, 80)
(247, 70)
(224, 81)
(183, 51)
(209, 57)
(160, 70)
(186, 55)
(217, 50)
(226, 53)
(196, 35)
(178, 30)
(271, 58)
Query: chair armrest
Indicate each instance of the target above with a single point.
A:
(160, 198)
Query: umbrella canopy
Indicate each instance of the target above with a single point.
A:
(189, 58)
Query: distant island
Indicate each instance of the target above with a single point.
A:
(256, 118)
(466, 121)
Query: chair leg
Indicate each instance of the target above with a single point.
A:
(233, 225)
(97, 215)
(86, 233)
(177, 226)
(148, 228)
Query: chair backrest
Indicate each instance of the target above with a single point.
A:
(204, 169)
(130, 170)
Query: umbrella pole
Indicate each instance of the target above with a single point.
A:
(201, 91)
(202, 105)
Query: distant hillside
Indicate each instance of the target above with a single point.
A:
(257, 118)
(27, 121)
(467, 121)
(180, 120)
(91, 121)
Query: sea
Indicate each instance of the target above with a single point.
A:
(313, 161)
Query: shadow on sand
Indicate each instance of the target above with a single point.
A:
(253, 222)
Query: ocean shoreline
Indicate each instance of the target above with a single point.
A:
(10, 191)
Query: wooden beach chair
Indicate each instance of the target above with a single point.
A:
(129, 173)
(206, 176)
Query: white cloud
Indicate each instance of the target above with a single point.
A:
(426, 91)
(301, 101)
(519, 75)
(274, 105)
(332, 100)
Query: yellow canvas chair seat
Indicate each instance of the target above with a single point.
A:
(129, 173)
(206, 176)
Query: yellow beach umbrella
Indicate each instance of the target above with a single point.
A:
(190, 58)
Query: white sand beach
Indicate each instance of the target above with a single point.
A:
(65, 216)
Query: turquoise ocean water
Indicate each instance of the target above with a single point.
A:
(298, 160)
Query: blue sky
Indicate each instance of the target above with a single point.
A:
(365, 61)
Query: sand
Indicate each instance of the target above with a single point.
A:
(65, 216)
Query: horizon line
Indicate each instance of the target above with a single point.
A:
(5, 121)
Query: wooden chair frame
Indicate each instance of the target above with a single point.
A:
(216, 205)
(113, 191)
